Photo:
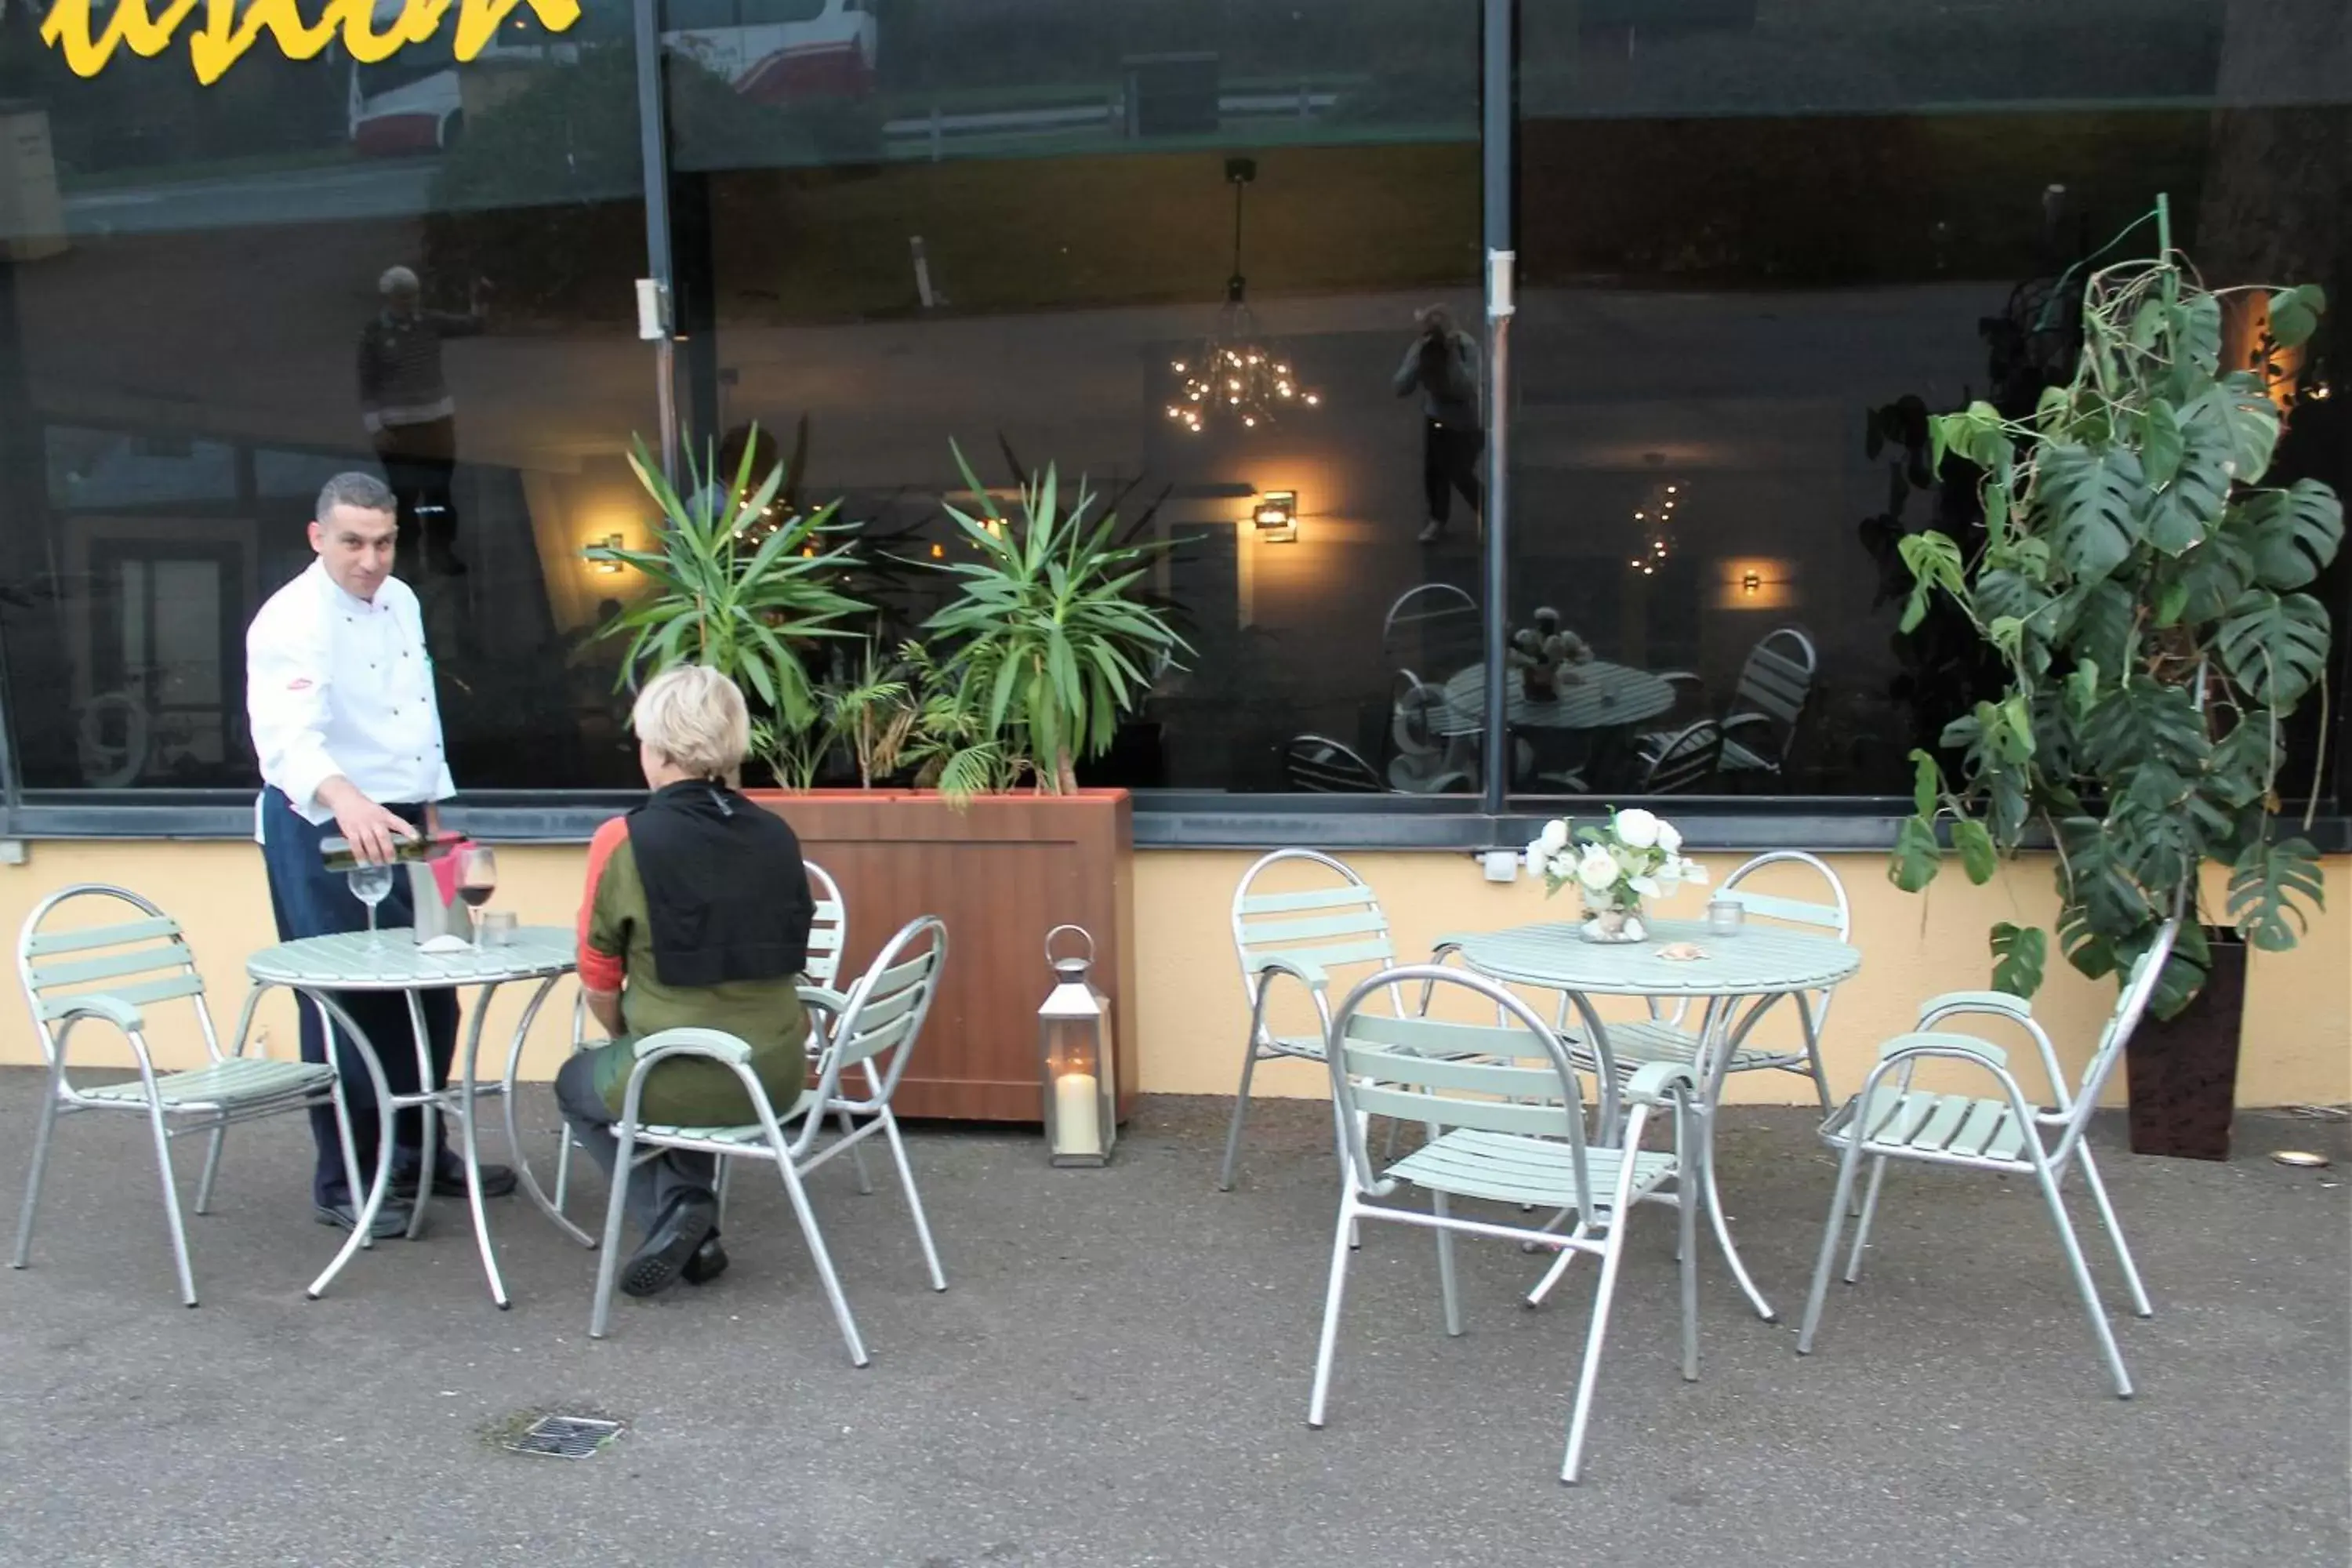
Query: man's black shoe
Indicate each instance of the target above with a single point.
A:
(391, 1220)
(654, 1265)
(708, 1262)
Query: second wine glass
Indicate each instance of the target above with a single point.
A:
(478, 878)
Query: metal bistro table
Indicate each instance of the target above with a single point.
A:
(316, 967)
(1596, 695)
(1738, 981)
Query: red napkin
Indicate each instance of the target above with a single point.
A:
(445, 871)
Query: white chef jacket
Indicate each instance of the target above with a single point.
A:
(334, 684)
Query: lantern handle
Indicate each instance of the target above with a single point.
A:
(1057, 930)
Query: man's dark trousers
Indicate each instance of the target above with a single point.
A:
(308, 900)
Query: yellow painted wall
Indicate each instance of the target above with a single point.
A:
(2298, 1041)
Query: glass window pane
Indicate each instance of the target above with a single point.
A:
(1759, 244)
(1012, 229)
(302, 269)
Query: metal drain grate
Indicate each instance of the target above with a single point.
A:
(565, 1437)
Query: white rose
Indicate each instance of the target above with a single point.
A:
(1597, 869)
(1535, 860)
(1670, 837)
(1554, 836)
(1636, 828)
(1648, 887)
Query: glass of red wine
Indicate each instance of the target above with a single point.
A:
(478, 878)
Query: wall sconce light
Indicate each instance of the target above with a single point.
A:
(1277, 517)
(1751, 584)
(607, 568)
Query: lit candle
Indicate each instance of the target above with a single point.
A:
(1077, 1117)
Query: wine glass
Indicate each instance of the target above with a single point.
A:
(478, 878)
(371, 884)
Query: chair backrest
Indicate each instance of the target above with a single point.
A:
(2132, 998)
(140, 960)
(1833, 915)
(1435, 626)
(1337, 925)
(829, 932)
(1320, 765)
(1413, 716)
(1512, 1075)
(1686, 761)
(1776, 681)
(885, 1017)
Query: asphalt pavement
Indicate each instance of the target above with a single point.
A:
(1119, 1375)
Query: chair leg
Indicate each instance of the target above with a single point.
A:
(1869, 1213)
(1820, 1292)
(171, 1203)
(857, 1159)
(608, 1252)
(1241, 1110)
(2141, 1305)
(1612, 1254)
(212, 1168)
(2100, 1329)
(1686, 1243)
(1445, 1281)
(1333, 1293)
(823, 1259)
(914, 1200)
(49, 1104)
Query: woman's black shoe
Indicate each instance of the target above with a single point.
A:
(708, 1262)
(655, 1264)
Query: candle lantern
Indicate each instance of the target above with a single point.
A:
(1075, 1057)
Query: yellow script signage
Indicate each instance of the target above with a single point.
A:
(227, 31)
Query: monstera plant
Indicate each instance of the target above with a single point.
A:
(2143, 586)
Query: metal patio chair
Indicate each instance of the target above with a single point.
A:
(1318, 764)
(2008, 1135)
(113, 974)
(878, 1020)
(1760, 727)
(1504, 1133)
(1302, 936)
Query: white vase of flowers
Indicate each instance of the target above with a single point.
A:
(1637, 855)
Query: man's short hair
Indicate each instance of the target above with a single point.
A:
(364, 491)
(396, 280)
(694, 716)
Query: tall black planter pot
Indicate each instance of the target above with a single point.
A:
(2183, 1071)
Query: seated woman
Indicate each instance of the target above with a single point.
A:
(696, 914)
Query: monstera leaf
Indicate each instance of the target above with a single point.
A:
(2295, 533)
(2179, 514)
(2276, 644)
(2094, 499)
(2263, 887)
(2019, 954)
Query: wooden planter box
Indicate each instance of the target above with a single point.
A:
(1002, 873)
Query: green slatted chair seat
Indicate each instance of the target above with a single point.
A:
(237, 1081)
(1926, 1125)
(1510, 1168)
(750, 1134)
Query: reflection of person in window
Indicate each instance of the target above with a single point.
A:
(1441, 365)
(405, 403)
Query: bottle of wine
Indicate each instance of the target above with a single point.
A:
(339, 856)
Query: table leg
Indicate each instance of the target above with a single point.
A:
(383, 1182)
(552, 1209)
(472, 1148)
(1715, 1068)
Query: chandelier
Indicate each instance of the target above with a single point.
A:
(1237, 373)
(1654, 519)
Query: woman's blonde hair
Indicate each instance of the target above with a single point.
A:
(695, 717)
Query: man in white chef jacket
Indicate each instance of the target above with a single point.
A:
(338, 690)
